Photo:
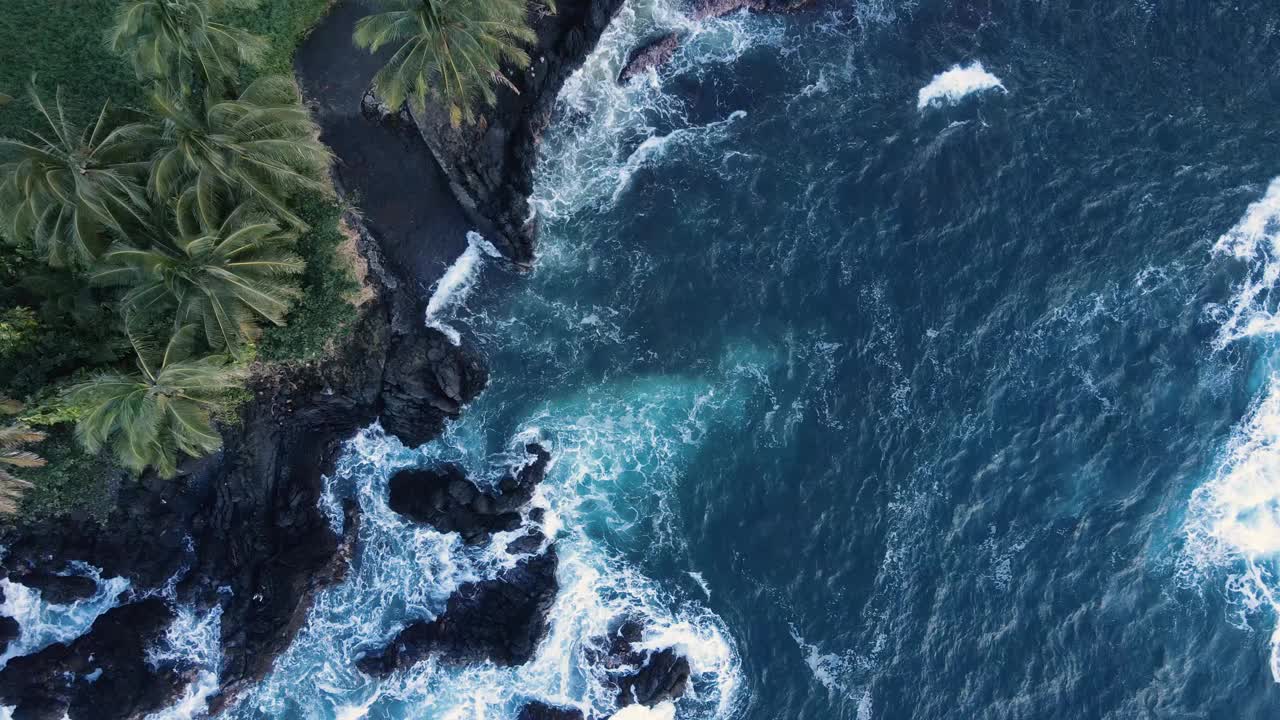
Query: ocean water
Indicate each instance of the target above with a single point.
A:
(898, 360)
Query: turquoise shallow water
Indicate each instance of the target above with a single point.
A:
(881, 392)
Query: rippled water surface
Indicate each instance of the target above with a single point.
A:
(898, 360)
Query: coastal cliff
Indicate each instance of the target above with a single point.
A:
(243, 529)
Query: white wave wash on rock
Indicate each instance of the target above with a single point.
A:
(42, 623)
(1233, 522)
(452, 288)
(193, 641)
(957, 83)
(618, 128)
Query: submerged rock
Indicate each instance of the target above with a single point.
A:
(500, 620)
(102, 675)
(653, 53)
(542, 711)
(703, 9)
(445, 499)
(57, 589)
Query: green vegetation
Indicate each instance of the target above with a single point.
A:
(452, 49)
(13, 439)
(159, 180)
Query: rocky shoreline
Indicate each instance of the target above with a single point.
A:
(243, 529)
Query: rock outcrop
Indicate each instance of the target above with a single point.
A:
(542, 711)
(652, 53)
(490, 163)
(57, 589)
(102, 675)
(642, 676)
(445, 499)
(500, 620)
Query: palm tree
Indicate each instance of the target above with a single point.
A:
(12, 438)
(453, 49)
(59, 192)
(223, 277)
(163, 409)
(263, 143)
(177, 43)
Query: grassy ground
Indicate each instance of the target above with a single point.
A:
(62, 44)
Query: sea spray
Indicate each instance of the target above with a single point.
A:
(455, 285)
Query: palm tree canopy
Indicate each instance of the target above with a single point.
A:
(149, 416)
(178, 42)
(263, 143)
(452, 49)
(223, 277)
(12, 455)
(62, 186)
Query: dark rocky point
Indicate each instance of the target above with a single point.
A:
(653, 53)
(102, 675)
(645, 677)
(445, 499)
(9, 631)
(542, 711)
(501, 620)
(428, 381)
(57, 589)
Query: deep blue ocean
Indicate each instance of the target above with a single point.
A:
(899, 360)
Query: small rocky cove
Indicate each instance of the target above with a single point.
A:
(243, 530)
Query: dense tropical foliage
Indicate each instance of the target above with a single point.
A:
(150, 415)
(180, 44)
(452, 50)
(13, 455)
(194, 214)
(61, 186)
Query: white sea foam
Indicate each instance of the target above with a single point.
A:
(1254, 240)
(452, 288)
(1233, 521)
(953, 85)
(42, 623)
(193, 641)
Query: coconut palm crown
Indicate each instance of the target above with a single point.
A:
(223, 278)
(12, 455)
(263, 144)
(149, 417)
(62, 186)
(179, 45)
(453, 50)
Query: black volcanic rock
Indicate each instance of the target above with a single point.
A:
(646, 677)
(489, 163)
(500, 620)
(664, 675)
(57, 589)
(102, 675)
(9, 631)
(444, 498)
(652, 53)
(427, 381)
(542, 711)
(703, 9)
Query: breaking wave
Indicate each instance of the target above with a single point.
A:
(1234, 518)
(957, 83)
